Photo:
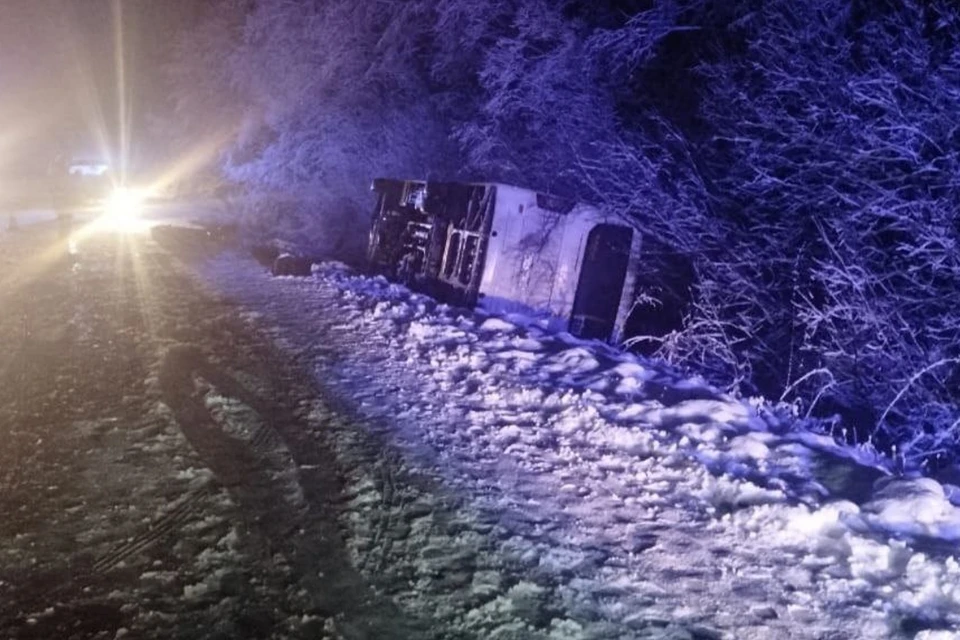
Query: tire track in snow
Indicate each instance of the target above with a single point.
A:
(188, 509)
(303, 532)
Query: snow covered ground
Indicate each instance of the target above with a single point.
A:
(633, 502)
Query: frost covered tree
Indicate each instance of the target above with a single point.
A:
(798, 159)
(834, 152)
(539, 106)
(339, 94)
(322, 96)
(812, 147)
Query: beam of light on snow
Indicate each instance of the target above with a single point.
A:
(193, 159)
(141, 279)
(111, 142)
(189, 162)
(50, 255)
(46, 258)
(88, 101)
(123, 107)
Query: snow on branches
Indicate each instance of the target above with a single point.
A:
(801, 157)
(834, 143)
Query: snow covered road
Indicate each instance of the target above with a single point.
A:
(615, 498)
(161, 475)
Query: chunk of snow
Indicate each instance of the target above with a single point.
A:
(497, 325)
(914, 507)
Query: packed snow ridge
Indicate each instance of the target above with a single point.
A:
(645, 494)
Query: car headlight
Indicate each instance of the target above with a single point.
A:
(125, 203)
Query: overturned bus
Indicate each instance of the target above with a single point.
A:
(507, 249)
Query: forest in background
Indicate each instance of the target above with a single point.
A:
(793, 165)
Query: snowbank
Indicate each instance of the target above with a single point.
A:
(642, 494)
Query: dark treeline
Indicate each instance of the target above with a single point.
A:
(796, 161)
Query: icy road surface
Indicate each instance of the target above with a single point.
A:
(615, 498)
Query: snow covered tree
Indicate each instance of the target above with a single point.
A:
(337, 96)
(321, 97)
(795, 161)
(540, 106)
(834, 152)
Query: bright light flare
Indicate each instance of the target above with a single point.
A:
(125, 202)
(123, 209)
